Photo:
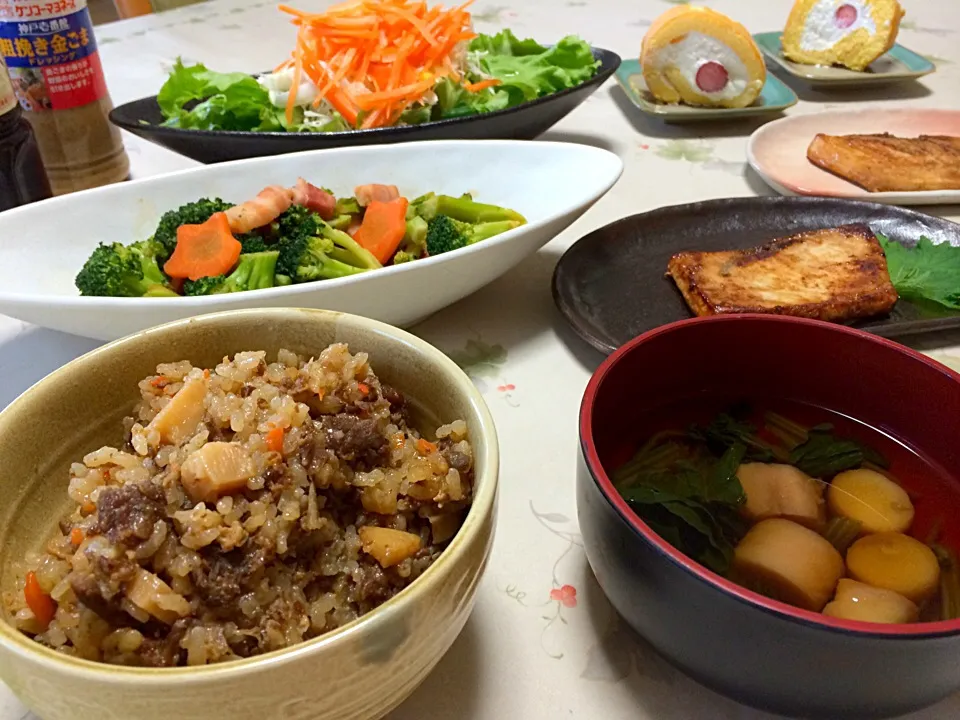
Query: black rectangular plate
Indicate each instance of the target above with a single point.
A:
(523, 122)
(611, 285)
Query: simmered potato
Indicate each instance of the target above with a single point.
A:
(789, 562)
(775, 490)
(896, 562)
(388, 546)
(857, 601)
(872, 499)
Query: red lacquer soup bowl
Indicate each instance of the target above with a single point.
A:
(759, 651)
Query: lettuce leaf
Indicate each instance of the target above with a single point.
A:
(453, 100)
(227, 101)
(528, 70)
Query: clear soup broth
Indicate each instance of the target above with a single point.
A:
(799, 503)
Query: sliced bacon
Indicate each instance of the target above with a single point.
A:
(266, 207)
(353, 226)
(367, 194)
(313, 198)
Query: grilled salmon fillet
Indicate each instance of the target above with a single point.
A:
(886, 163)
(838, 274)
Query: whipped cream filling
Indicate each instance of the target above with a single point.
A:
(693, 51)
(822, 29)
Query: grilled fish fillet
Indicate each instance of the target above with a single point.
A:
(838, 274)
(886, 163)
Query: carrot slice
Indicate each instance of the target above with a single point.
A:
(204, 250)
(76, 536)
(41, 605)
(383, 227)
(275, 440)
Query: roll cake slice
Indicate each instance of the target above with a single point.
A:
(697, 56)
(850, 33)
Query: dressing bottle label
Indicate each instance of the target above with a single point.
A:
(51, 52)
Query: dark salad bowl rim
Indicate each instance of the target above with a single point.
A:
(609, 62)
(940, 628)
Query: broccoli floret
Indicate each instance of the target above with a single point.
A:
(160, 291)
(118, 271)
(252, 243)
(298, 220)
(254, 272)
(341, 222)
(347, 206)
(305, 259)
(195, 213)
(204, 286)
(401, 257)
(152, 256)
(462, 208)
(445, 233)
(312, 250)
(414, 244)
(424, 206)
(486, 230)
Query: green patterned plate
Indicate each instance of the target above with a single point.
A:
(895, 66)
(775, 98)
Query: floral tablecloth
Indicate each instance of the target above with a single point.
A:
(543, 642)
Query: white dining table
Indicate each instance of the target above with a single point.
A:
(543, 643)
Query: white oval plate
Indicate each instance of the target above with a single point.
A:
(44, 245)
(778, 151)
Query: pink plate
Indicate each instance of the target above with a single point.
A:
(778, 151)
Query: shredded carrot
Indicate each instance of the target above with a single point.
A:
(426, 447)
(41, 605)
(87, 508)
(363, 388)
(482, 85)
(204, 250)
(275, 440)
(76, 536)
(295, 87)
(374, 59)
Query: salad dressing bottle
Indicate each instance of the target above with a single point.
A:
(51, 53)
(22, 175)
